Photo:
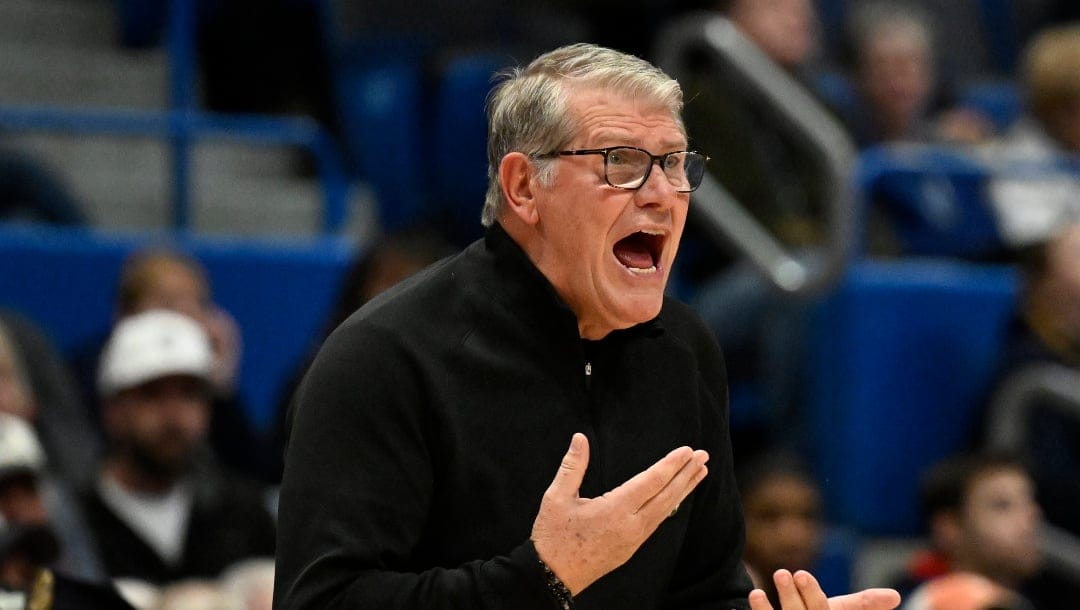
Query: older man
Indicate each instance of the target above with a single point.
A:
(419, 470)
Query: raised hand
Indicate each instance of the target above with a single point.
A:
(582, 539)
(801, 591)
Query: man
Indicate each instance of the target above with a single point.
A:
(160, 510)
(983, 519)
(419, 467)
(163, 278)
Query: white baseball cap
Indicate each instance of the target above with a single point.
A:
(20, 450)
(151, 345)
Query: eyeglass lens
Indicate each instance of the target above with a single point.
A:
(629, 167)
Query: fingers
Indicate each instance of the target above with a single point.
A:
(659, 489)
(867, 599)
(799, 591)
(567, 482)
(759, 601)
(787, 592)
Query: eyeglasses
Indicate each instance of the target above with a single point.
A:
(628, 167)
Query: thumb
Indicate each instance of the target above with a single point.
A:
(572, 469)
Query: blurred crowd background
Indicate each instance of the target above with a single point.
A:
(193, 193)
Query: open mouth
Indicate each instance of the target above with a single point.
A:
(640, 251)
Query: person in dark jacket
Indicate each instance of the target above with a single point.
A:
(419, 467)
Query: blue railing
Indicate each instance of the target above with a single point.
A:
(183, 124)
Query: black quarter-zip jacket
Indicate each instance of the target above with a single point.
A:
(433, 420)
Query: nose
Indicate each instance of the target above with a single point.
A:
(658, 191)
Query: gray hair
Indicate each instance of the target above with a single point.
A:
(527, 110)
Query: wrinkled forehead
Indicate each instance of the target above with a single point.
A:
(595, 109)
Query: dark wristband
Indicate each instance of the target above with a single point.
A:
(557, 588)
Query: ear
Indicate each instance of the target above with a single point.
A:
(516, 177)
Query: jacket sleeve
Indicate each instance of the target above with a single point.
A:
(357, 489)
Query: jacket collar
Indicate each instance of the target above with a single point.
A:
(526, 289)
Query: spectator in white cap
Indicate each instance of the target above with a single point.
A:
(161, 509)
(32, 573)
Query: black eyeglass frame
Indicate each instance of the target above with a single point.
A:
(653, 159)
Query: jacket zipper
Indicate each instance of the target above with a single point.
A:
(588, 375)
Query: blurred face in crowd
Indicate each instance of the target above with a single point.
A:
(22, 505)
(783, 524)
(158, 425)
(896, 75)
(607, 251)
(21, 501)
(783, 29)
(15, 396)
(998, 527)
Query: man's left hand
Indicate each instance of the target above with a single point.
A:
(801, 591)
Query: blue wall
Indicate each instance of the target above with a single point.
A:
(279, 291)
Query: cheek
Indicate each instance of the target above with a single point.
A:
(193, 417)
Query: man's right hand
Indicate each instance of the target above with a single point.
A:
(582, 539)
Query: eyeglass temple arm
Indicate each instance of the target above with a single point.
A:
(724, 217)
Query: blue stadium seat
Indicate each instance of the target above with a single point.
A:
(933, 198)
(902, 356)
(279, 292)
(459, 142)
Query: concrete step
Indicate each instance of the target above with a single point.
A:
(138, 155)
(75, 23)
(125, 183)
(41, 73)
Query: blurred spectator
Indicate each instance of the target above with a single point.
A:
(161, 511)
(30, 192)
(392, 258)
(36, 385)
(898, 91)
(963, 591)
(982, 518)
(1045, 330)
(782, 507)
(32, 542)
(1038, 162)
(163, 278)
(967, 52)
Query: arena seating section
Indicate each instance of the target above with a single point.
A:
(903, 352)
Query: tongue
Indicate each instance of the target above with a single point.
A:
(633, 253)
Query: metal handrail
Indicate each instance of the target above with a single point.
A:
(195, 125)
(1021, 392)
(725, 217)
(1052, 386)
